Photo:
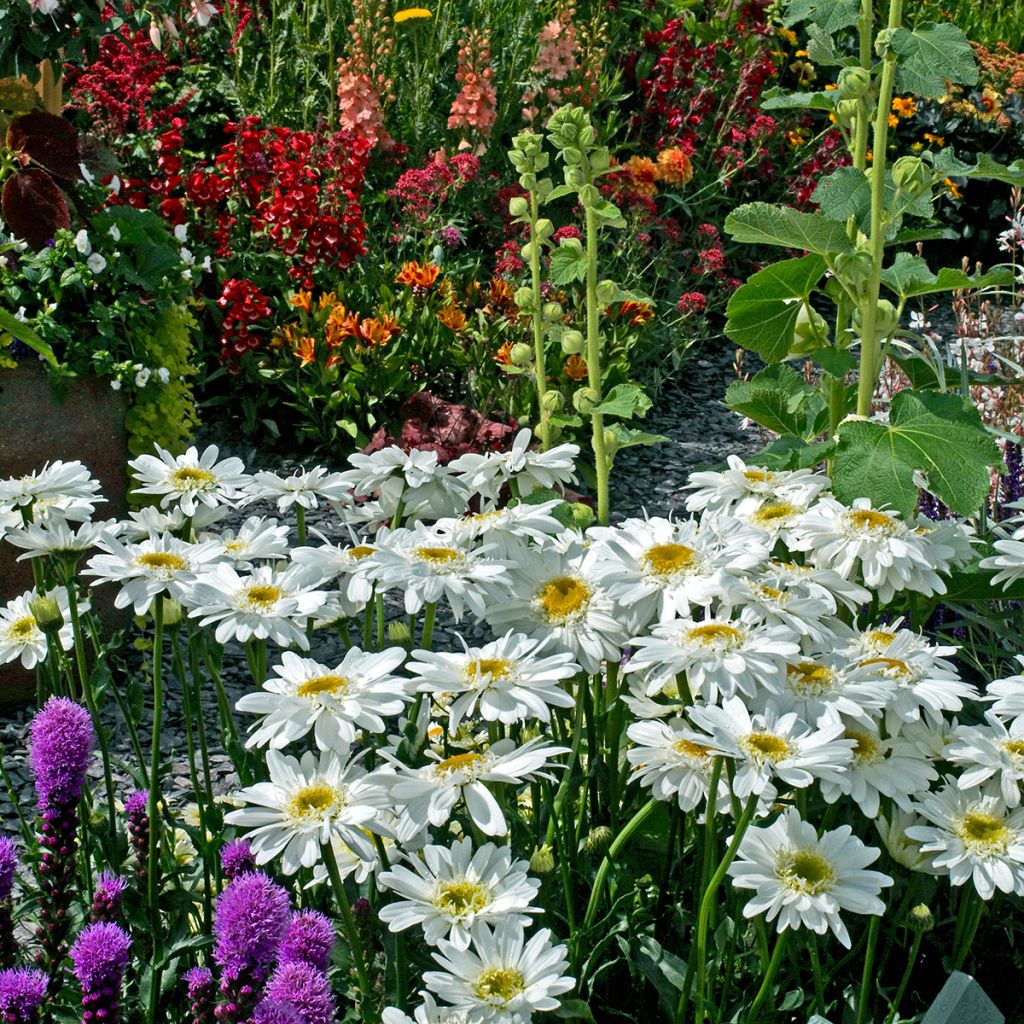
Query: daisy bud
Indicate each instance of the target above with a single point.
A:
(172, 612)
(398, 633)
(542, 861)
(920, 918)
(22, 991)
(598, 840)
(46, 611)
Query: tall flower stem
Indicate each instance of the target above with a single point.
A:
(894, 1005)
(355, 945)
(153, 867)
(967, 920)
(429, 614)
(868, 974)
(769, 978)
(539, 368)
(601, 465)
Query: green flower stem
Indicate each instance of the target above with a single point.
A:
(967, 920)
(602, 872)
(868, 973)
(256, 656)
(153, 865)
(870, 350)
(894, 1005)
(539, 367)
(601, 466)
(429, 614)
(300, 522)
(819, 979)
(574, 751)
(355, 945)
(766, 985)
(707, 904)
(860, 138)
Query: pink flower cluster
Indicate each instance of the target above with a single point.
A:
(359, 107)
(363, 86)
(420, 190)
(474, 108)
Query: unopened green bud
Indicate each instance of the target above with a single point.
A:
(582, 515)
(542, 861)
(552, 401)
(544, 228)
(552, 311)
(853, 83)
(912, 175)
(574, 177)
(598, 839)
(584, 400)
(518, 206)
(846, 111)
(854, 270)
(920, 919)
(809, 333)
(529, 250)
(46, 611)
(611, 443)
(571, 243)
(398, 632)
(886, 320)
(585, 133)
(524, 297)
(572, 155)
(528, 180)
(172, 612)
(607, 292)
(883, 44)
(521, 354)
(600, 159)
(573, 343)
(589, 195)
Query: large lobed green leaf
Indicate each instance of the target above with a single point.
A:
(828, 15)
(937, 439)
(779, 399)
(933, 55)
(764, 224)
(910, 276)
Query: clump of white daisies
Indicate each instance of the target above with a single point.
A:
(748, 670)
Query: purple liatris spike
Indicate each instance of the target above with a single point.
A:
(237, 858)
(106, 901)
(200, 995)
(100, 956)
(1011, 485)
(22, 991)
(252, 915)
(269, 1012)
(305, 989)
(60, 748)
(8, 866)
(136, 809)
(309, 940)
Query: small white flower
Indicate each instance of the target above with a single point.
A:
(21, 636)
(187, 256)
(742, 490)
(55, 480)
(1007, 695)
(82, 243)
(258, 538)
(1008, 559)
(115, 232)
(990, 750)
(55, 537)
(180, 233)
(115, 385)
(142, 377)
(96, 263)
(163, 375)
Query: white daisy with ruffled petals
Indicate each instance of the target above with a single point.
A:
(804, 881)
(1007, 695)
(974, 837)
(778, 601)
(822, 683)
(990, 750)
(820, 582)
(190, 480)
(487, 473)
(502, 977)
(671, 763)
(257, 539)
(428, 1012)
(508, 680)
(304, 487)
(53, 537)
(54, 482)
(23, 638)
(307, 803)
(742, 489)
(1008, 559)
(511, 524)
(153, 522)
(303, 695)
(448, 889)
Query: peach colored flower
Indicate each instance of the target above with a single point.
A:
(675, 166)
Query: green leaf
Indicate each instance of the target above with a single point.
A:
(779, 99)
(948, 164)
(625, 401)
(836, 361)
(626, 437)
(568, 264)
(775, 398)
(762, 313)
(821, 49)
(972, 584)
(932, 55)
(559, 191)
(922, 376)
(938, 437)
(912, 235)
(12, 325)
(910, 276)
(764, 224)
(792, 453)
(828, 15)
(574, 1009)
(844, 193)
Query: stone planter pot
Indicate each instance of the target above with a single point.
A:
(36, 428)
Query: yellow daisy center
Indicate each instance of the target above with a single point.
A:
(714, 634)
(867, 749)
(692, 751)
(810, 679)
(1015, 750)
(564, 599)
(769, 515)
(668, 559)
(461, 897)
(772, 593)
(161, 561)
(984, 834)
(871, 520)
(880, 638)
(192, 478)
(317, 800)
(499, 984)
(893, 668)
(493, 670)
(22, 630)
(235, 546)
(437, 557)
(758, 476)
(806, 872)
(459, 763)
(318, 686)
(260, 597)
(360, 551)
(767, 746)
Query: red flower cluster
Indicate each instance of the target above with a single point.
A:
(420, 190)
(692, 302)
(243, 304)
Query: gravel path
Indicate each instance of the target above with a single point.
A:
(701, 432)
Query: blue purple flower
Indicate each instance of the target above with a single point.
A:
(237, 858)
(106, 900)
(305, 989)
(22, 991)
(60, 748)
(309, 940)
(100, 956)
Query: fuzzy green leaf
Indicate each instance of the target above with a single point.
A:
(625, 401)
(626, 437)
(937, 438)
(568, 264)
(764, 224)
(762, 313)
(821, 49)
(910, 276)
(844, 193)
(828, 15)
(932, 55)
(779, 99)
(949, 165)
(777, 398)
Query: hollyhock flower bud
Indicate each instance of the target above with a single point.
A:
(22, 991)
(100, 956)
(200, 995)
(237, 858)
(106, 901)
(309, 939)
(305, 989)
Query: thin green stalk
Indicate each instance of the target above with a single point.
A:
(894, 1004)
(429, 614)
(819, 979)
(601, 466)
(766, 985)
(300, 523)
(967, 921)
(153, 865)
(539, 367)
(868, 973)
(574, 750)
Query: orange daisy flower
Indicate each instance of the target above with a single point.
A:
(452, 317)
(643, 173)
(675, 166)
(418, 275)
(575, 368)
(305, 350)
(379, 330)
(636, 313)
(302, 300)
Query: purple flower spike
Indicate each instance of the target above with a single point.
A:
(22, 991)
(60, 744)
(100, 956)
(200, 995)
(106, 901)
(305, 989)
(8, 865)
(309, 940)
(136, 809)
(237, 858)
(270, 1012)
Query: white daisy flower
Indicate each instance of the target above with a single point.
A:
(428, 1012)
(777, 600)
(517, 522)
(258, 538)
(822, 683)
(990, 750)
(508, 680)
(660, 569)
(805, 881)
(1008, 559)
(502, 977)
(346, 564)
(307, 803)
(819, 582)
(719, 655)
(551, 594)
(21, 636)
(742, 490)
(429, 794)
(486, 474)
(773, 520)
(889, 556)
(449, 889)
(305, 695)
(190, 480)
(899, 846)
(56, 480)
(152, 567)
(303, 488)
(675, 766)
(57, 538)
(152, 521)
(770, 746)
(268, 603)
(974, 837)
(1007, 695)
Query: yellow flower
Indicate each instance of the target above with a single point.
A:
(935, 140)
(904, 107)
(893, 120)
(411, 14)
(789, 35)
(952, 189)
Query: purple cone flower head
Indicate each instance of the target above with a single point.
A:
(22, 991)
(100, 956)
(271, 1012)
(60, 745)
(309, 940)
(106, 901)
(8, 865)
(304, 988)
(237, 858)
(200, 995)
